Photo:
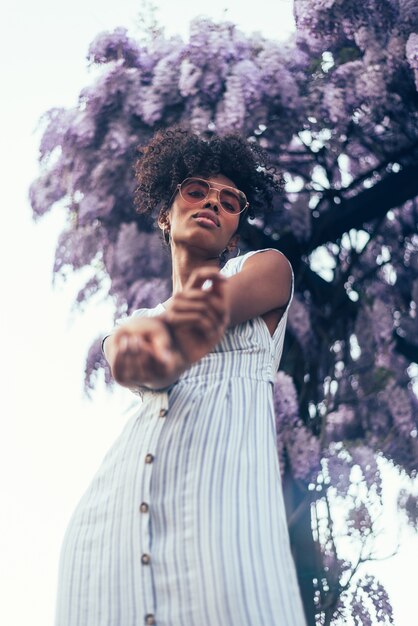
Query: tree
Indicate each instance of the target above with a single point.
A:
(336, 109)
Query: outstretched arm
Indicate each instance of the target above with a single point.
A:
(141, 353)
(155, 351)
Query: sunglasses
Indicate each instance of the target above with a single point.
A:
(195, 190)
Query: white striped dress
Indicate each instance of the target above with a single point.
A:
(184, 523)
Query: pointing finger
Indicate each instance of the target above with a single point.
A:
(200, 276)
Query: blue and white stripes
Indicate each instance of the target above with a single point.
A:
(184, 523)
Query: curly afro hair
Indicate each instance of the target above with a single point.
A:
(174, 154)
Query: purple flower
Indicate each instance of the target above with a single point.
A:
(248, 74)
(408, 504)
(365, 457)
(360, 612)
(200, 118)
(338, 466)
(77, 247)
(117, 140)
(359, 520)
(274, 74)
(341, 424)
(304, 452)
(146, 294)
(412, 54)
(399, 403)
(136, 255)
(91, 287)
(408, 14)
(379, 598)
(46, 190)
(285, 400)
(189, 78)
(299, 323)
(371, 83)
(152, 106)
(95, 366)
(56, 121)
(382, 322)
(211, 86)
(113, 46)
(231, 110)
(166, 76)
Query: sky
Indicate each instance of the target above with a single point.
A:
(52, 438)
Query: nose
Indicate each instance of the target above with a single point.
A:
(212, 200)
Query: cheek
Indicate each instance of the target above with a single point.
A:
(232, 223)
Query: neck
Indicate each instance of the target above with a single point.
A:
(185, 261)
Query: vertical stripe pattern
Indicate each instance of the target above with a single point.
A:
(184, 522)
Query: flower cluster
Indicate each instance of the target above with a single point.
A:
(341, 424)
(408, 503)
(296, 443)
(412, 54)
(338, 467)
(77, 247)
(300, 324)
(95, 365)
(107, 47)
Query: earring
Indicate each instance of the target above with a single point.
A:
(223, 257)
(237, 253)
(166, 233)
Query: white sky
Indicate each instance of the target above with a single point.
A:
(52, 439)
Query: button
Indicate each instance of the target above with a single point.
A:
(143, 507)
(150, 619)
(163, 412)
(145, 559)
(149, 458)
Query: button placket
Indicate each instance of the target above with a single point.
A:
(159, 409)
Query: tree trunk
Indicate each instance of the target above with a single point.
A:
(304, 548)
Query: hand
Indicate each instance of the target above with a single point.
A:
(143, 354)
(198, 317)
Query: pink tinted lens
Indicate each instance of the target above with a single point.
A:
(231, 201)
(193, 190)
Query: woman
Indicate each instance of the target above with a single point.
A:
(184, 523)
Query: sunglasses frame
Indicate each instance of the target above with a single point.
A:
(211, 186)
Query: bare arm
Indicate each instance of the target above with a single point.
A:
(263, 285)
(141, 352)
(155, 351)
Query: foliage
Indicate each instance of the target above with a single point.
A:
(336, 109)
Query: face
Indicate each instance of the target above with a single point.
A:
(199, 221)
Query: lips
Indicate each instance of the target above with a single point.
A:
(209, 216)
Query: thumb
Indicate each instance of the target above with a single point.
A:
(205, 278)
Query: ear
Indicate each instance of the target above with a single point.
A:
(163, 220)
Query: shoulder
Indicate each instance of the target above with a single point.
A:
(269, 264)
(267, 258)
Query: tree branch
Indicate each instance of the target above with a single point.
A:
(391, 192)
